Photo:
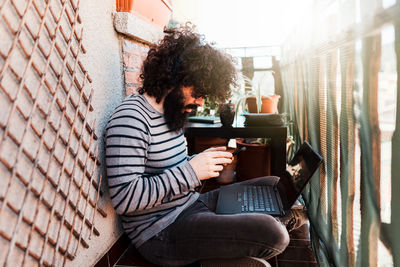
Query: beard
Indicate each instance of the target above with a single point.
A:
(174, 104)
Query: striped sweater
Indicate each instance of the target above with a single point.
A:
(149, 177)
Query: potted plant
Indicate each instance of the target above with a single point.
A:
(226, 114)
(209, 108)
(253, 101)
(255, 161)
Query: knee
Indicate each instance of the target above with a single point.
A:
(282, 238)
(276, 235)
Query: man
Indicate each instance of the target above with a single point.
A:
(151, 179)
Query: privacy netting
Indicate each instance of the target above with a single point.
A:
(340, 88)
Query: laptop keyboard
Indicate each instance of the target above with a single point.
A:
(257, 198)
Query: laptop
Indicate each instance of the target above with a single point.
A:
(272, 199)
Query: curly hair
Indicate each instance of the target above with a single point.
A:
(183, 58)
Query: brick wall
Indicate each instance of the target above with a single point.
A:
(133, 54)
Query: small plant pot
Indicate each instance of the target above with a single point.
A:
(202, 143)
(254, 162)
(270, 104)
(227, 114)
(124, 5)
(251, 102)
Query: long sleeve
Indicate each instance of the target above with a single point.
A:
(146, 163)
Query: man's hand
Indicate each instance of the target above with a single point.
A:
(210, 162)
(218, 148)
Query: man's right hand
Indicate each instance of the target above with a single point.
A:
(210, 162)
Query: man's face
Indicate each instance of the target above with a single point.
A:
(191, 101)
(178, 104)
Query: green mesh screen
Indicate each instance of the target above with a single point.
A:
(341, 90)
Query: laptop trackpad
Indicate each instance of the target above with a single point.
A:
(230, 200)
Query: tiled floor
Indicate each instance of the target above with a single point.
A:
(299, 252)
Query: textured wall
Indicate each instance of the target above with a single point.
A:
(60, 78)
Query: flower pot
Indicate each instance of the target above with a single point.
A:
(251, 102)
(227, 114)
(202, 143)
(254, 162)
(156, 12)
(124, 5)
(270, 104)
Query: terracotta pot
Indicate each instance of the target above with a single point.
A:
(251, 102)
(202, 143)
(154, 11)
(254, 162)
(124, 5)
(270, 104)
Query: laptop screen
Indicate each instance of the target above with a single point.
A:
(300, 170)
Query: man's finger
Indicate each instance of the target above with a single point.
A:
(219, 148)
(221, 154)
(221, 161)
(218, 168)
(214, 174)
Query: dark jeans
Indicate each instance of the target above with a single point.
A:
(198, 233)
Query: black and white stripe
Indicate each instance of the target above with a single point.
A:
(149, 176)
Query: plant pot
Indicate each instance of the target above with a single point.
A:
(124, 5)
(251, 102)
(202, 143)
(156, 12)
(227, 114)
(270, 104)
(254, 162)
